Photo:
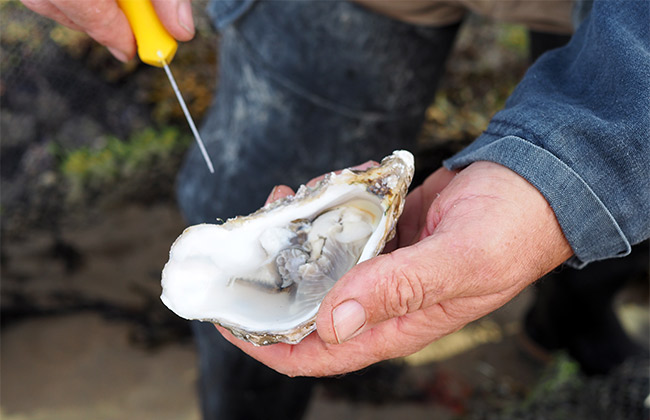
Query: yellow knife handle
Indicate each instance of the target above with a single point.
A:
(155, 44)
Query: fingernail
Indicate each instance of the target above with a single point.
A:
(185, 18)
(274, 193)
(348, 319)
(118, 54)
(271, 197)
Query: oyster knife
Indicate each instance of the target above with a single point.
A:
(157, 47)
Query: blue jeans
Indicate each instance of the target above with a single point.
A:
(303, 89)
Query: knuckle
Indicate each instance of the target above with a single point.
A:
(102, 27)
(403, 292)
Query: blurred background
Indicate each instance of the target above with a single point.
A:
(89, 150)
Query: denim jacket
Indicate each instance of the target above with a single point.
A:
(577, 128)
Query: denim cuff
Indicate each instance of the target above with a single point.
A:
(224, 12)
(588, 225)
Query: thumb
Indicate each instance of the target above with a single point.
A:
(385, 287)
(176, 16)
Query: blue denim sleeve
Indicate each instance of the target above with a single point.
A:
(578, 128)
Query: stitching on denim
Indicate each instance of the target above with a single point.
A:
(529, 137)
(315, 99)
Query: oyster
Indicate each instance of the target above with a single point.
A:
(263, 276)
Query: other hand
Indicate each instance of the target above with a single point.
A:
(105, 22)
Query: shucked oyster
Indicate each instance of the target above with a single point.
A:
(263, 276)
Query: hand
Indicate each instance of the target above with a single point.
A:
(466, 244)
(104, 21)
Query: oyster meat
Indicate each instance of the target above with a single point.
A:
(263, 276)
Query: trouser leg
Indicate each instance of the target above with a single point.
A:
(304, 89)
(234, 386)
(540, 42)
(574, 310)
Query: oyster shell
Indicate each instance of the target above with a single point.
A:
(263, 276)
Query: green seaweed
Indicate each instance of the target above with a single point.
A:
(88, 171)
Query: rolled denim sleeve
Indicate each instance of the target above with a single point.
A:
(578, 128)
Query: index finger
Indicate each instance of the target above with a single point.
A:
(47, 9)
(278, 192)
(102, 20)
(311, 357)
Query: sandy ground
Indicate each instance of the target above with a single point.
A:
(87, 362)
(84, 367)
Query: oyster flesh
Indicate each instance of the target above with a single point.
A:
(263, 276)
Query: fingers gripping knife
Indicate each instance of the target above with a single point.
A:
(157, 47)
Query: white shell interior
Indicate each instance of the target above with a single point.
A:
(197, 280)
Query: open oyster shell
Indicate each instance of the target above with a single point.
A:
(263, 276)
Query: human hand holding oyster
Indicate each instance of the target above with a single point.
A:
(465, 245)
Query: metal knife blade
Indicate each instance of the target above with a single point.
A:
(190, 121)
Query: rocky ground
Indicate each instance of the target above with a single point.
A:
(88, 153)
